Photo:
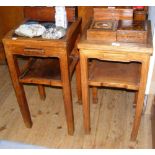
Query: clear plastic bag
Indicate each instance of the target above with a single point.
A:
(54, 33)
(30, 30)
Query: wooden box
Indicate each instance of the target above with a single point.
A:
(48, 13)
(113, 13)
(102, 30)
(132, 31)
(140, 15)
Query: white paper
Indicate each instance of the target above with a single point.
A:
(61, 17)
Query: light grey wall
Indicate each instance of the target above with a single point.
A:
(152, 60)
(152, 16)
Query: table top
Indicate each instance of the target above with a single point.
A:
(12, 39)
(116, 46)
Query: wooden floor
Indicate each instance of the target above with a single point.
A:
(111, 119)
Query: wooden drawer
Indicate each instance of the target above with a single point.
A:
(114, 57)
(129, 31)
(48, 13)
(112, 14)
(37, 51)
(28, 51)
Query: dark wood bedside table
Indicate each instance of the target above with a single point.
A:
(51, 63)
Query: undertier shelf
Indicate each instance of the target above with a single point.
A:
(114, 74)
(42, 71)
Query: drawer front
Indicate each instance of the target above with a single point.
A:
(108, 55)
(115, 57)
(35, 51)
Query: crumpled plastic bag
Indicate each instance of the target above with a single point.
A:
(30, 30)
(54, 33)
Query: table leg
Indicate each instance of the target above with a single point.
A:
(135, 100)
(42, 92)
(67, 95)
(85, 93)
(19, 90)
(78, 83)
(94, 92)
(140, 99)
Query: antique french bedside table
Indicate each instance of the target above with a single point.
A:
(51, 63)
(116, 62)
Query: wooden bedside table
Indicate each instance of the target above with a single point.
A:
(119, 65)
(51, 62)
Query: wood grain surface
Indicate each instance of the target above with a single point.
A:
(111, 119)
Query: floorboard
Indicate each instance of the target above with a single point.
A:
(111, 119)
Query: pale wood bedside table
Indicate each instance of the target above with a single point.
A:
(119, 65)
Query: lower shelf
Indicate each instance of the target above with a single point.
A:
(114, 74)
(42, 71)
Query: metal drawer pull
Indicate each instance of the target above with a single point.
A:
(34, 50)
